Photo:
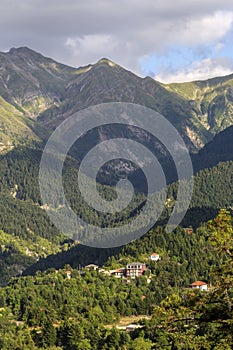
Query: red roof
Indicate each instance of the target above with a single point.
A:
(198, 283)
(154, 254)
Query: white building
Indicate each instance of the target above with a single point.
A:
(91, 267)
(154, 257)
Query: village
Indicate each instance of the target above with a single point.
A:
(133, 270)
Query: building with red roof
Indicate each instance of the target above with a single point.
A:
(199, 285)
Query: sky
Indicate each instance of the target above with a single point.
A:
(176, 41)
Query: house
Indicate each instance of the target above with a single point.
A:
(91, 267)
(135, 269)
(199, 285)
(154, 257)
(68, 273)
(118, 273)
(188, 230)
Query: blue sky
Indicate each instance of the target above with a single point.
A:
(177, 61)
(192, 62)
(170, 41)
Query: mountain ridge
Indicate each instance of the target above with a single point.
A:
(47, 91)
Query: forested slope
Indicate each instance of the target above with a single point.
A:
(21, 213)
(54, 311)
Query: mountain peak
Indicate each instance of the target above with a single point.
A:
(25, 52)
(22, 49)
(107, 61)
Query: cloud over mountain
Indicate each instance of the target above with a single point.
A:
(199, 70)
(76, 32)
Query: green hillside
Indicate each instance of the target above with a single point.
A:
(220, 149)
(15, 127)
(211, 99)
(23, 216)
(213, 189)
(29, 84)
(80, 308)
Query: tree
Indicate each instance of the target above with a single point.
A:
(142, 344)
(217, 309)
(221, 233)
(48, 333)
(113, 339)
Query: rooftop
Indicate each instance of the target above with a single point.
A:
(198, 283)
(136, 263)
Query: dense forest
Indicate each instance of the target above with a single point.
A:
(82, 311)
(19, 185)
(45, 309)
(26, 224)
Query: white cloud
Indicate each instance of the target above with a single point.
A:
(201, 70)
(204, 29)
(138, 40)
(90, 44)
(129, 47)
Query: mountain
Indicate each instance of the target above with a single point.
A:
(106, 81)
(23, 218)
(220, 149)
(15, 127)
(29, 84)
(37, 93)
(213, 189)
(42, 92)
(212, 101)
(31, 81)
